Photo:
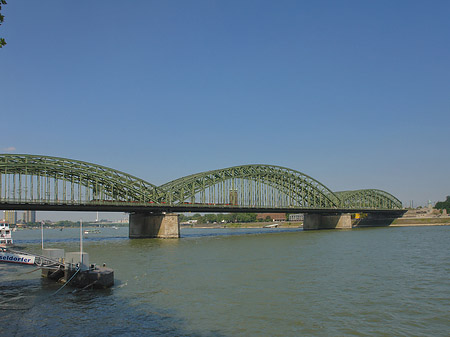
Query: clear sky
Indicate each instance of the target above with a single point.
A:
(353, 93)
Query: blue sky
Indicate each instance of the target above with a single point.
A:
(353, 93)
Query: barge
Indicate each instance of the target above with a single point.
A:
(69, 268)
(74, 268)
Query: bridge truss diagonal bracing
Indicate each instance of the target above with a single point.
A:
(44, 182)
(43, 179)
(251, 186)
(368, 198)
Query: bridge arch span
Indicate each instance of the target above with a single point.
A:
(43, 178)
(369, 198)
(45, 181)
(250, 186)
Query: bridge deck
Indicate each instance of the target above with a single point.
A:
(197, 208)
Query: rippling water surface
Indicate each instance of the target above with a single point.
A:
(240, 282)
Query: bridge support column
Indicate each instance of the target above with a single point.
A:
(319, 221)
(151, 225)
(378, 219)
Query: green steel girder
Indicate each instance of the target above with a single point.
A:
(108, 183)
(369, 198)
(301, 188)
(42, 179)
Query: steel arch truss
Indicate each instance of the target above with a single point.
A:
(43, 180)
(250, 186)
(34, 178)
(368, 199)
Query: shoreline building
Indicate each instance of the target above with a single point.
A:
(10, 217)
(296, 217)
(233, 197)
(271, 216)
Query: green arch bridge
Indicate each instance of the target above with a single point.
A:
(35, 182)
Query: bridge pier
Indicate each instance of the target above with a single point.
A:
(154, 225)
(378, 220)
(319, 221)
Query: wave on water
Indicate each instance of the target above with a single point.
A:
(62, 240)
(185, 233)
(234, 232)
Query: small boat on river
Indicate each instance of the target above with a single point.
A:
(92, 231)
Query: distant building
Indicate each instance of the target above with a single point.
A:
(296, 217)
(233, 197)
(189, 222)
(272, 216)
(29, 216)
(10, 217)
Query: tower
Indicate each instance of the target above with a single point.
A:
(30, 216)
(10, 217)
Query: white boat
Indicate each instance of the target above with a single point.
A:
(92, 231)
(275, 225)
(5, 235)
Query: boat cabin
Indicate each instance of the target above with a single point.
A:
(5, 235)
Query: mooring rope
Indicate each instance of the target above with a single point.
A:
(79, 268)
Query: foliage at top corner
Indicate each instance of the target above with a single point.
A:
(2, 17)
(444, 204)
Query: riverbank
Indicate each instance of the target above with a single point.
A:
(400, 222)
(420, 221)
(419, 224)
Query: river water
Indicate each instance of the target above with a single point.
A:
(240, 282)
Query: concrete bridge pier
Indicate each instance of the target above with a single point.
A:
(154, 225)
(378, 219)
(326, 221)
